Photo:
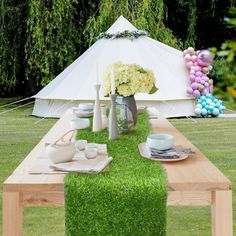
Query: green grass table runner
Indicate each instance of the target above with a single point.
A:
(129, 199)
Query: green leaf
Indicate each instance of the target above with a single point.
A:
(153, 90)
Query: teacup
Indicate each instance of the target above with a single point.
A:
(160, 141)
(91, 153)
(80, 144)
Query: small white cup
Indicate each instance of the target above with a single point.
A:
(91, 153)
(80, 144)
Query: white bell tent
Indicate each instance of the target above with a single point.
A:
(76, 83)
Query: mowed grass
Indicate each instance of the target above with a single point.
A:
(216, 138)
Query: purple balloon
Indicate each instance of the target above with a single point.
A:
(196, 93)
(192, 78)
(194, 86)
(198, 73)
(198, 79)
(189, 91)
(205, 78)
(202, 81)
(206, 84)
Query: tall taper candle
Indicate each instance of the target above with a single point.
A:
(97, 115)
(113, 86)
(97, 73)
(113, 126)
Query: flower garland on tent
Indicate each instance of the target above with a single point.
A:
(129, 79)
(199, 64)
(135, 34)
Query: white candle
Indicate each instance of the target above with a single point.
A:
(113, 87)
(97, 73)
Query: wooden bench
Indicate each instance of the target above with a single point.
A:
(194, 181)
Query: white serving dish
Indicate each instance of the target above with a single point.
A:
(79, 123)
(160, 141)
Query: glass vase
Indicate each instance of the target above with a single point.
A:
(126, 111)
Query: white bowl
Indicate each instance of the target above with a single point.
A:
(86, 106)
(79, 123)
(160, 141)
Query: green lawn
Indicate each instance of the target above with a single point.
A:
(215, 137)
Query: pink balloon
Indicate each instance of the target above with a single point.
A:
(194, 58)
(187, 58)
(189, 64)
(185, 52)
(198, 79)
(206, 84)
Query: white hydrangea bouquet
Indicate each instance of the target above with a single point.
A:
(129, 79)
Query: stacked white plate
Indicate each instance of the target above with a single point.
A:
(83, 110)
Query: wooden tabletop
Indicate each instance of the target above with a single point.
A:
(196, 173)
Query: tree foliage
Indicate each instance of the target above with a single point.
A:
(39, 38)
(144, 14)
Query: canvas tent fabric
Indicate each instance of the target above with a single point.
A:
(76, 83)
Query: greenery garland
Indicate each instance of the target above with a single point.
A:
(123, 34)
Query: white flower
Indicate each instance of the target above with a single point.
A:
(129, 79)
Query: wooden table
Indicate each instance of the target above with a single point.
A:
(194, 181)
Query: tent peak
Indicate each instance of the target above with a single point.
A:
(121, 24)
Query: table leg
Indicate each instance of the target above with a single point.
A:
(12, 214)
(221, 213)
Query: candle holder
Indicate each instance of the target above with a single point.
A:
(97, 116)
(113, 126)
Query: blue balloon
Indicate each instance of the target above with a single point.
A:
(203, 98)
(203, 104)
(199, 106)
(208, 95)
(198, 111)
(204, 112)
(215, 112)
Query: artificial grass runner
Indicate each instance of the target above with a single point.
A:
(128, 199)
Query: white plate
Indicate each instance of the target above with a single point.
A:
(144, 152)
(84, 114)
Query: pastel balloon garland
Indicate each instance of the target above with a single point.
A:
(199, 64)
